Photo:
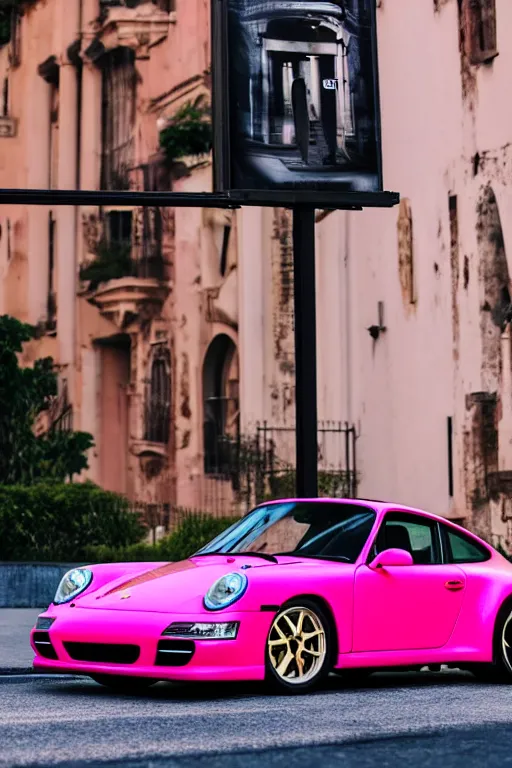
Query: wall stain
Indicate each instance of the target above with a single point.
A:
(455, 272)
(185, 387)
(406, 255)
(466, 273)
(467, 71)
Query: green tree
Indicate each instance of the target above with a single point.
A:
(24, 393)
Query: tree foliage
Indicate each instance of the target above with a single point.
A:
(25, 393)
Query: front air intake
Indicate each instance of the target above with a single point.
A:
(44, 645)
(174, 653)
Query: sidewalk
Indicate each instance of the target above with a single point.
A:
(16, 655)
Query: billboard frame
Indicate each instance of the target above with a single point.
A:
(221, 119)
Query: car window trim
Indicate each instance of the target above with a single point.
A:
(445, 529)
(437, 537)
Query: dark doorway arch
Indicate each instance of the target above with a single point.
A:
(220, 404)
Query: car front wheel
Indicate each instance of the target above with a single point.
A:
(299, 647)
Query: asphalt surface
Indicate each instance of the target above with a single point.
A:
(424, 719)
(15, 626)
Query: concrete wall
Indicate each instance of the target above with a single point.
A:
(29, 585)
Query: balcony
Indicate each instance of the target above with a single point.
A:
(126, 283)
(135, 24)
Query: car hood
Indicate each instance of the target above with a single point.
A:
(177, 587)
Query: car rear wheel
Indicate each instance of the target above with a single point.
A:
(299, 648)
(124, 684)
(500, 671)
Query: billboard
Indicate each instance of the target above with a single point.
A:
(296, 100)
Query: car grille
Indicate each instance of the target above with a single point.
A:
(103, 653)
(44, 645)
(174, 653)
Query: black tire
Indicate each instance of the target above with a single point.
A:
(122, 684)
(315, 668)
(500, 670)
(353, 676)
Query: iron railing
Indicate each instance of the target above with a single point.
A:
(262, 466)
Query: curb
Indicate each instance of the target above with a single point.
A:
(9, 671)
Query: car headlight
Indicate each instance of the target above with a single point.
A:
(73, 583)
(226, 591)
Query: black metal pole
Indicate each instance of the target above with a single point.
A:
(305, 351)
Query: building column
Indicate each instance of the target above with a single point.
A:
(37, 112)
(66, 216)
(90, 151)
(90, 154)
(251, 290)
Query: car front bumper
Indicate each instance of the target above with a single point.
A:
(105, 633)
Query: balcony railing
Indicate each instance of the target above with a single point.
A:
(117, 260)
(162, 5)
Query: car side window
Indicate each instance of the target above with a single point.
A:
(415, 534)
(462, 549)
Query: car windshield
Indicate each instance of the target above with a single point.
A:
(324, 530)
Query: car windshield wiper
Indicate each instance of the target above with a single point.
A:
(264, 556)
(335, 558)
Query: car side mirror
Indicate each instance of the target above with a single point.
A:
(391, 557)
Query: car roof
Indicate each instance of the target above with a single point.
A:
(380, 507)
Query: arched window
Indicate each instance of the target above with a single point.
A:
(158, 398)
(221, 404)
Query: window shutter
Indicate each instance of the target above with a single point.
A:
(481, 24)
(489, 47)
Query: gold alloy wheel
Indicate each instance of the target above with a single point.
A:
(297, 645)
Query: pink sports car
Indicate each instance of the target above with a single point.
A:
(294, 590)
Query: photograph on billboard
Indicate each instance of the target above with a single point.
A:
(303, 95)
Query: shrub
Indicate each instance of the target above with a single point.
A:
(113, 261)
(59, 522)
(189, 132)
(193, 533)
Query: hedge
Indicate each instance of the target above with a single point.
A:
(80, 522)
(192, 534)
(50, 522)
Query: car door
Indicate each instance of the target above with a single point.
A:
(407, 607)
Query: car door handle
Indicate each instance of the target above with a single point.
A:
(454, 586)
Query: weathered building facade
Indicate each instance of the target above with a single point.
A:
(138, 307)
(184, 355)
(413, 304)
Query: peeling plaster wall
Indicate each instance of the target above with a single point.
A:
(446, 130)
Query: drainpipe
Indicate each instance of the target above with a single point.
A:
(67, 170)
(346, 288)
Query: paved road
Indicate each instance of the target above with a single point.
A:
(15, 626)
(424, 719)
